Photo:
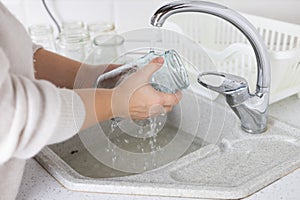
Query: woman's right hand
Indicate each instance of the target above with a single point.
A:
(137, 99)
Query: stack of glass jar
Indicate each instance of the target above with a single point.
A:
(96, 43)
(42, 34)
(74, 40)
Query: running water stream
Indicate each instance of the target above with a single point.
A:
(147, 129)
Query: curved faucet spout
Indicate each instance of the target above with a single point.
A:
(253, 111)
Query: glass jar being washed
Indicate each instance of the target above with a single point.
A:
(170, 78)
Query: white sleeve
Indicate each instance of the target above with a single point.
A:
(35, 47)
(34, 113)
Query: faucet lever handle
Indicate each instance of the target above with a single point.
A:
(223, 83)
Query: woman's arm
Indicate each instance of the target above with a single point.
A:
(34, 113)
(59, 70)
(66, 73)
(134, 97)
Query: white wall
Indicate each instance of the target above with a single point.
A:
(285, 10)
(132, 14)
(32, 11)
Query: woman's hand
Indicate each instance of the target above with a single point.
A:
(137, 99)
(134, 98)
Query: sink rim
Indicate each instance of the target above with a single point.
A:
(75, 181)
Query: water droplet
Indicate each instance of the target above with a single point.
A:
(140, 131)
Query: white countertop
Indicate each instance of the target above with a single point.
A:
(38, 184)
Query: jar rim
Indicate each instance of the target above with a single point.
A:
(40, 29)
(176, 69)
(74, 37)
(101, 27)
(72, 25)
(108, 40)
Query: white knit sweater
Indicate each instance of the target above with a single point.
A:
(33, 113)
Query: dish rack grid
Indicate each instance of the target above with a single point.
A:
(230, 52)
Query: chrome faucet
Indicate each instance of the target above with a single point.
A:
(252, 109)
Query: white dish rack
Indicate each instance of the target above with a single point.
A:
(230, 51)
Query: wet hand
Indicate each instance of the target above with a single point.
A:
(137, 99)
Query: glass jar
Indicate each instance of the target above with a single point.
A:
(171, 77)
(108, 49)
(74, 44)
(42, 34)
(72, 25)
(100, 28)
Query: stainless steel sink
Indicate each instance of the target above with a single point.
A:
(222, 162)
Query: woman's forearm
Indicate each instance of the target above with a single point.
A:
(65, 72)
(98, 105)
(55, 68)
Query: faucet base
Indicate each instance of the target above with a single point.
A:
(254, 131)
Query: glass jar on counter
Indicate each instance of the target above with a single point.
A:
(42, 34)
(74, 44)
(72, 25)
(108, 49)
(100, 28)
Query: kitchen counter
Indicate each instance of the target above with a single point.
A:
(39, 184)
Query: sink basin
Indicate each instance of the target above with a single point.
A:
(220, 162)
(74, 153)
